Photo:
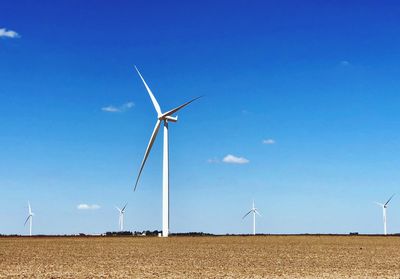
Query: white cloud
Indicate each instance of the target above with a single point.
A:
(231, 159)
(128, 105)
(269, 141)
(121, 108)
(8, 33)
(84, 206)
(213, 161)
(344, 63)
(110, 109)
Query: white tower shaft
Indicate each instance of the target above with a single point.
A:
(165, 194)
(384, 221)
(30, 226)
(121, 222)
(254, 222)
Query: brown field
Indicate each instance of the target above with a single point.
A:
(201, 257)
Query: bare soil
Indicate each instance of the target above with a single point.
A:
(201, 257)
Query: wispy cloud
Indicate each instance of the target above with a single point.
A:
(269, 141)
(84, 206)
(213, 161)
(345, 63)
(121, 108)
(4, 33)
(232, 159)
(110, 109)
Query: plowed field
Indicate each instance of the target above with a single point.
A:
(201, 257)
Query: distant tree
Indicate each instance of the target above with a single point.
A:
(124, 233)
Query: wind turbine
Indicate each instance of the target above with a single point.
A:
(121, 217)
(384, 208)
(254, 211)
(30, 217)
(165, 118)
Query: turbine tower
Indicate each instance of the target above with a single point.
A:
(165, 118)
(254, 211)
(29, 218)
(121, 217)
(384, 208)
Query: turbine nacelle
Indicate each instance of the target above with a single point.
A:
(169, 118)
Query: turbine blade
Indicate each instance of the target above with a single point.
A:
(256, 211)
(389, 199)
(29, 208)
(118, 208)
(380, 204)
(172, 111)
(247, 214)
(123, 209)
(153, 99)
(27, 219)
(146, 154)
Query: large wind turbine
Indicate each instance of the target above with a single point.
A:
(29, 218)
(121, 217)
(254, 211)
(384, 208)
(165, 118)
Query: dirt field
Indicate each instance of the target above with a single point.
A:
(201, 257)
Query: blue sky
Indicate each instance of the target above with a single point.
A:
(307, 92)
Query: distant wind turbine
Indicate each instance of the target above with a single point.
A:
(254, 211)
(384, 208)
(121, 217)
(29, 218)
(165, 118)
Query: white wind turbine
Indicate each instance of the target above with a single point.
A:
(384, 208)
(29, 218)
(121, 217)
(254, 211)
(165, 118)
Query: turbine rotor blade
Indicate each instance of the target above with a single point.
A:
(153, 99)
(27, 219)
(247, 214)
(118, 208)
(256, 211)
(123, 209)
(172, 111)
(146, 154)
(380, 204)
(29, 208)
(389, 199)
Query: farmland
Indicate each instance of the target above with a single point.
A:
(201, 257)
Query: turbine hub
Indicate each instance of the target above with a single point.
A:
(169, 118)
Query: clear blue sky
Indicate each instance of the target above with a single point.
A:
(318, 82)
